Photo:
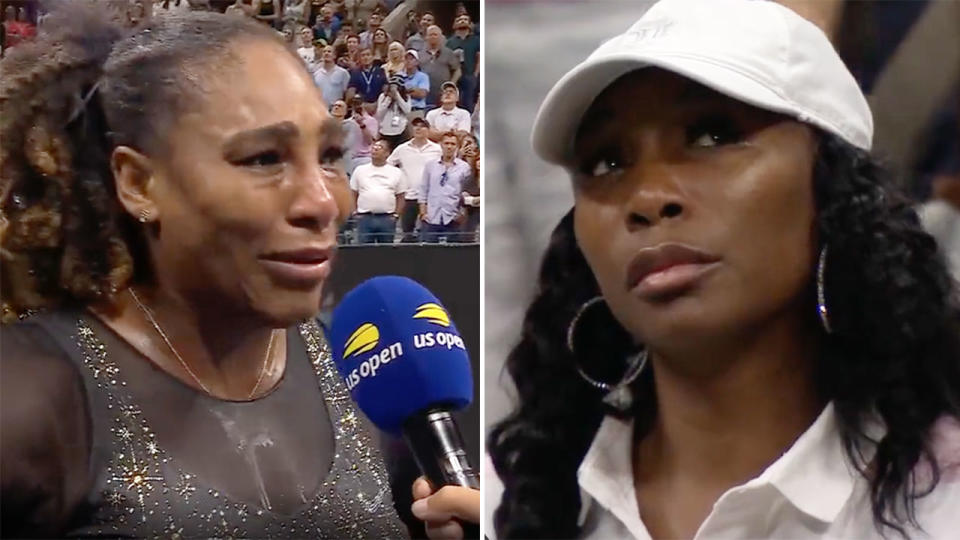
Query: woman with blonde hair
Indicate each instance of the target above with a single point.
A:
(394, 63)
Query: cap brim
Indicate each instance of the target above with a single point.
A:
(563, 109)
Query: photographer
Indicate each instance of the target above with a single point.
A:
(392, 109)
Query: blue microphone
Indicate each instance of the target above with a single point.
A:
(407, 368)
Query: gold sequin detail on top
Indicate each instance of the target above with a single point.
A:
(146, 494)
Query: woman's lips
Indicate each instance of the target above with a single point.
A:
(302, 266)
(668, 269)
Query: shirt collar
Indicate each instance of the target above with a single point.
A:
(606, 475)
(814, 474)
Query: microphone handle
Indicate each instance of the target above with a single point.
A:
(437, 447)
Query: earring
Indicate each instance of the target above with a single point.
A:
(821, 291)
(618, 395)
(144, 215)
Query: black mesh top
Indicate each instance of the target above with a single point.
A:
(97, 441)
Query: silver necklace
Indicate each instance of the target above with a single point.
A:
(186, 366)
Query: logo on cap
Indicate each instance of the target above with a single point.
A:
(433, 313)
(362, 339)
(647, 30)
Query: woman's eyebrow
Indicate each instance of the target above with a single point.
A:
(281, 131)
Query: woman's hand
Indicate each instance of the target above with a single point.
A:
(440, 510)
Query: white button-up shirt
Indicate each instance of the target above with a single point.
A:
(412, 160)
(811, 491)
(456, 119)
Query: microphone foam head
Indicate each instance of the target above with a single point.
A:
(398, 351)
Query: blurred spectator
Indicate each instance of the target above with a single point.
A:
(305, 47)
(392, 109)
(346, 30)
(439, 63)
(461, 9)
(381, 41)
(412, 156)
(242, 8)
(315, 6)
(367, 81)
(288, 33)
(326, 26)
(297, 11)
(440, 195)
(362, 9)
(362, 130)
(470, 153)
(366, 37)
(331, 79)
(417, 84)
(173, 5)
(394, 64)
(466, 45)
(475, 119)
(412, 26)
(351, 56)
(140, 11)
(269, 12)
(16, 27)
(448, 117)
(338, 110)
(418, 41)
(378, 196)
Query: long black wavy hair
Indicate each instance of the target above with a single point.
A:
(894, 351)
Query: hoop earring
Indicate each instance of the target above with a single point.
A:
(618, 395)
(821, 292)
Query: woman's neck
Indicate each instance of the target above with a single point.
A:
(225, 353)
(720, 426)
(724, 425)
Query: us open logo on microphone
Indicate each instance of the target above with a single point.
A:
(435, 314)
(363, 340)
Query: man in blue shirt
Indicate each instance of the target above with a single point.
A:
(327, 25)
(367, 81)
(440, 197)
(417, 84)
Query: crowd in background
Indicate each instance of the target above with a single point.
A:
(408, 104)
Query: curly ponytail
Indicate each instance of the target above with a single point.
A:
(67, 99)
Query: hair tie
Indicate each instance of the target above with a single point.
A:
(84, 101)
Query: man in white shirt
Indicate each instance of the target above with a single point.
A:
(448, 117)
(305, 48)
(329, 77)
(412, 156)
(378, 190)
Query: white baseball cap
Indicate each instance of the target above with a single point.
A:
(754, 51)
